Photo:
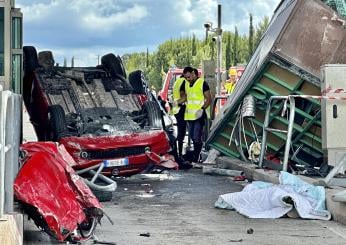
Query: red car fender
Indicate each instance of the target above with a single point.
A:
(47, 183)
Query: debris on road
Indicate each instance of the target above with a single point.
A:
(239, 178)
(145, 195)
(212, 155)
(147, 234)
(154, 177)
(104, 242)
(220, 171)
(249, 231)
(235, 240)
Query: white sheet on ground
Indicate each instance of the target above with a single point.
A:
(265, 200)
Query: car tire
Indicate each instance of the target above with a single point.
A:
(137, 81)
(30, 64)
(30, 59)
(46, 59)
(154, 114)
(118, 83)
(113, 64)
(57, 122)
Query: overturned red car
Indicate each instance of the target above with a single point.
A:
(99, 114)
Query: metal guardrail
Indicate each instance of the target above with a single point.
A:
(10, 128)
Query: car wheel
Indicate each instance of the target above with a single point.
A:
(154, 115)
(30, 64)
(30, 60)
(113, 64)
(119, 83)
(57, 122)
(138, 82)
(46, 59)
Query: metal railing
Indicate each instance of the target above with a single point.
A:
(10, 128)
(267, 129)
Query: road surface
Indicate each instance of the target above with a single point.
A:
(179, 209)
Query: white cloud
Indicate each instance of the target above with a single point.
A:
(91, 27)
(97, 21)
(37, 11)
(95, 15)
(183, 11)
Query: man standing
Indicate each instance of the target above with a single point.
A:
(178, 109)
(230, 84)
(197, 108)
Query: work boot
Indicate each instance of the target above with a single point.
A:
(197, 148)
(180, 148)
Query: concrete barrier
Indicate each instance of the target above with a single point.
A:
(11, 223)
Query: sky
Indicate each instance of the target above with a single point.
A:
(87, 29)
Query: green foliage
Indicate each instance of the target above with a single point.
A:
(251, 37)
(235, 50)
(191, 51)
(228, 53)
(193, 45)
(261, 28)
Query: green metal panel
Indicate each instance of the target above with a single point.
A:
(338, 5)
(275, 80)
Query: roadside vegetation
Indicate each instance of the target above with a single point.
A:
(236, 49)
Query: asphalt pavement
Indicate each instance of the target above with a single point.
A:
(179, 209)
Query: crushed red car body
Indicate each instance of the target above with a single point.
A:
(98, 113)
(53, 195)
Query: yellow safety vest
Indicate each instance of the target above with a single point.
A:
(176, 94)
(229, 86)
(195, 100)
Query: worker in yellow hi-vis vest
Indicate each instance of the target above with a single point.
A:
(230, 83)
(178, 110)
(198, 99)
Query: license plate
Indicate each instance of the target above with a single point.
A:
(116, 162)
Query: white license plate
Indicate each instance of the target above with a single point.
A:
(116, 162)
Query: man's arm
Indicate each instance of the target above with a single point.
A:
(182, 94)
(182, 97)
(207, 99)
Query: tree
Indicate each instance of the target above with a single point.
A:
(193, 45)
(251, 37)
(260, 30)
(191, 51)
(235, 46)
(228, 54)
(147, 59)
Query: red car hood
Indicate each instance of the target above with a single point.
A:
(154, 138)
(48, 183)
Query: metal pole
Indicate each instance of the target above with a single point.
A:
(219, 55)
(289, 132)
